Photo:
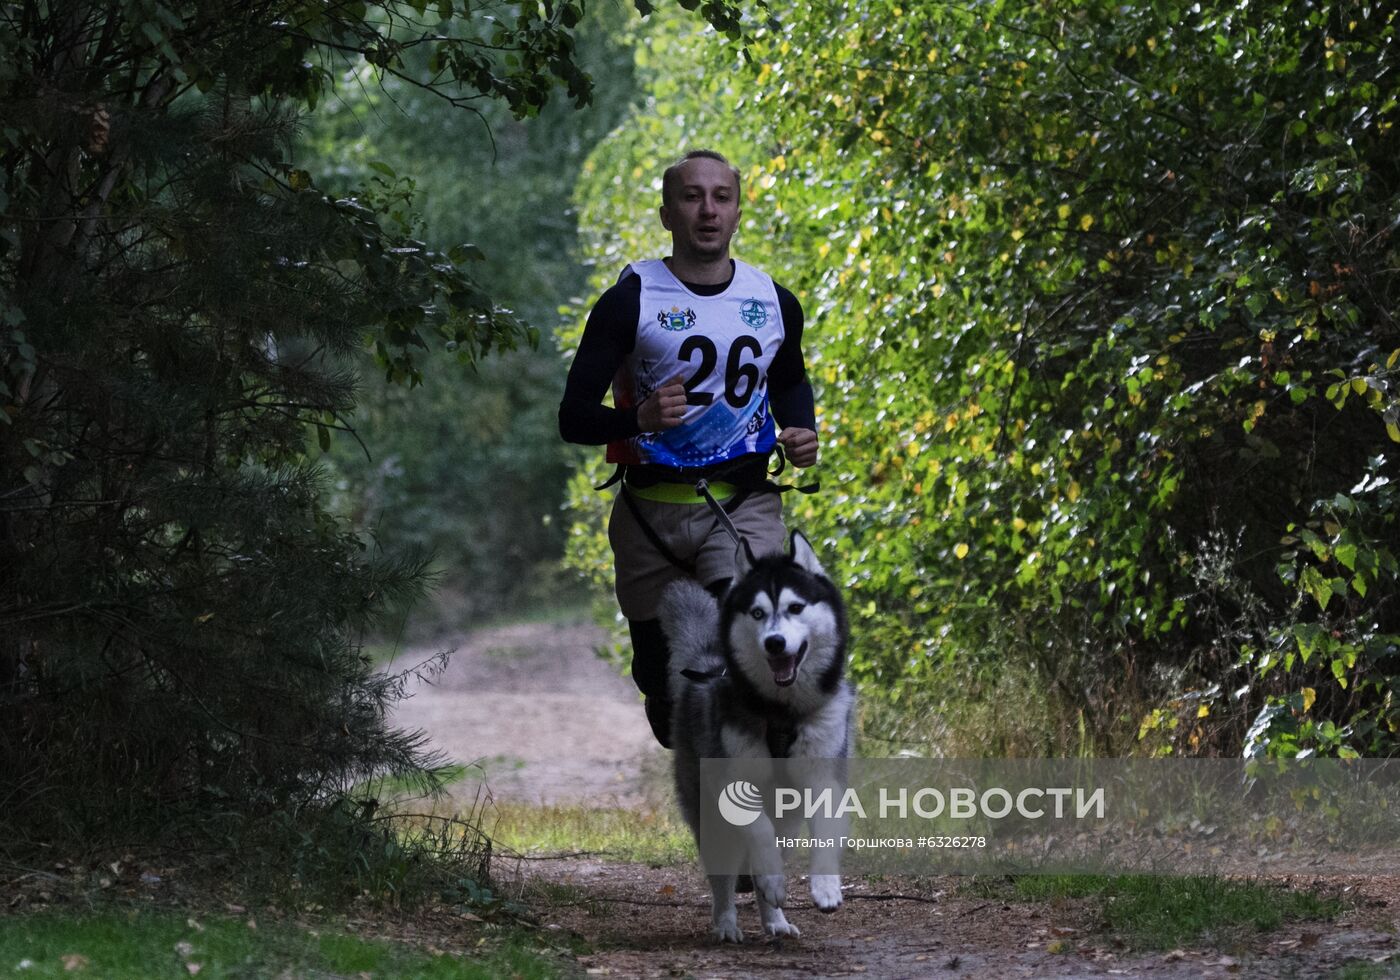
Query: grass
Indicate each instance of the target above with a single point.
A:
(654, 837)
(150, 944)
(1160, 912)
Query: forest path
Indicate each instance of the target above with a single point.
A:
(549, 722)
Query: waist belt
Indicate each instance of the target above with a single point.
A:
(629, 495)
(680, 493)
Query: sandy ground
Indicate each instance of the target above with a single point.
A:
(536, 715)
(543, 719)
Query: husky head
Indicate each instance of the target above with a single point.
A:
(783, 624)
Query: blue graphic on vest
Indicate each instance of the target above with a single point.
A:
(676, 318)
(718, 434)
(754, 312)
(759, 417)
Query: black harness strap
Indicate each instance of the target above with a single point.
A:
(780, 736)
(618, 473)
(652, 536)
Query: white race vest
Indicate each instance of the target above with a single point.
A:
(721, 346)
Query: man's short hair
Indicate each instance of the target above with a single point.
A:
(673, 172)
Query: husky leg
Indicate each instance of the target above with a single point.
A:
(829, 775)
(775, 923)
(724, 917)
(765, 862)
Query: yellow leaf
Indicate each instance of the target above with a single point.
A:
(1309, 696)
(1086, 222)
(961, 551)
(1393, 430)
(1203, 711)
(1073, 491)
(1358, 385)
(1063, 211)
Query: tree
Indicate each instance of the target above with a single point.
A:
(1102, 328)
(180, 610)
(469, 466)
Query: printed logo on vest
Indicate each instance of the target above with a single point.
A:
(754, 312)
(678, 319)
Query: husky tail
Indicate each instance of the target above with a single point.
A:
(690, 619)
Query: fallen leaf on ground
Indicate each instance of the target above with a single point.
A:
(74, 961)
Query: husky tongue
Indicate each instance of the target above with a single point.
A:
(784, 669)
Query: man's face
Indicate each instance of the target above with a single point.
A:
(702, 211)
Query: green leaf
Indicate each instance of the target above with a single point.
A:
(1317, 586)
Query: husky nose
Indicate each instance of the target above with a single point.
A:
(775, 645)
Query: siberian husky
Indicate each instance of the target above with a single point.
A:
(760, 675)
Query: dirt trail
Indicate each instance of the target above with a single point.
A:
(547, 721)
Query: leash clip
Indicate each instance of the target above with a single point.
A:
(702, 487)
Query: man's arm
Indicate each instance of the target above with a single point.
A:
(608, 337)
(789, 391)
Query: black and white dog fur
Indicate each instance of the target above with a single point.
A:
(760, 674)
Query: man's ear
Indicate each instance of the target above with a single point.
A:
(665, 217)
(743, 559)
(804, 554)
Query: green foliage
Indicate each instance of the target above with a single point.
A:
(179, 301)
(1101, 304)
(468, 466)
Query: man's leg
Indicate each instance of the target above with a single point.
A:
(641, 574)
(651, 658)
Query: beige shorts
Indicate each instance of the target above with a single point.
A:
(694, 535)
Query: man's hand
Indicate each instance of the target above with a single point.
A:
(663, 408)
(800, 446)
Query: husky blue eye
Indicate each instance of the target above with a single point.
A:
(795, 608)
(756, 613)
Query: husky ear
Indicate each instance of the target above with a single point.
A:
(805, 556)
(743, 559)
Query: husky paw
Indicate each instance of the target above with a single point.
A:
(826, 892)
(780, 926)
(726, 930)
(771, 888)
